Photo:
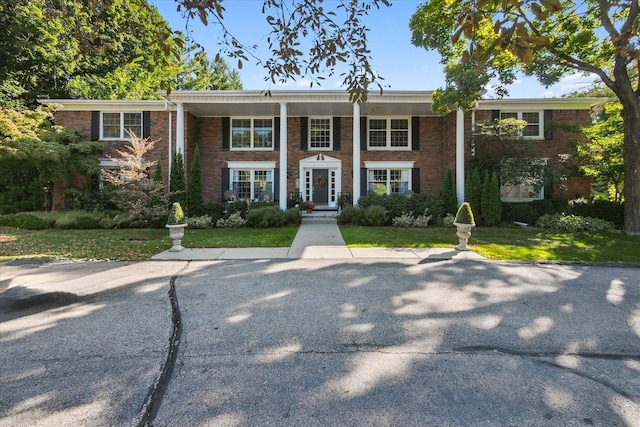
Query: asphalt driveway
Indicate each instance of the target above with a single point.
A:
(320, 342)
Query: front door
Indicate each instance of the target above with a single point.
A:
(321, 186)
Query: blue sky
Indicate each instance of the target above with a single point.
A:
(402, 65)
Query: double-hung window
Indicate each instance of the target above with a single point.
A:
(251, 134)
(252, 180)
(115, 125)
(389, 177)
(534, 127)
(389, 134)
(320, 132)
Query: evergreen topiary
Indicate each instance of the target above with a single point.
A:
(491, 205)
(157, 174)
(464, 215)
(177, 184)
(176, 215)
(449, 194)
(473, 192)
(194, 193)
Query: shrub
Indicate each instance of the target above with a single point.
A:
(241, 206)
(574, 223)
(428, 203)
(25, 221)
(214, 210)
(524, 212)
(177, 181)
(405, 220)
(448, 220)
(422, 221)
(604, 209)
(351, 215)
(204, 221)
(292, 216)
(235, 220)
(473, 192)
(375, 216)
(78, 220)
(265, 217)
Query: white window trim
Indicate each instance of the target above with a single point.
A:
(123, 132)
(388, 146)
(330, 148)
(252, 142)
(388, 166)
(540, 121)
(253, 166)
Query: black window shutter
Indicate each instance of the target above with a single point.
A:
(548, 117)
(415, 133)
(363, 181)
(363, 133)
(304, 133)
(95, 125)
(225, 182)
(336, 134)
(276, 133)
(146, 124)
(495, 114)
(415, 180)
(226, 132)
(276, 184)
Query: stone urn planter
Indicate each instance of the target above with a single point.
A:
(176, 225)
(464, 223)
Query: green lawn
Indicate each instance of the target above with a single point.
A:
(495, 243)
(130, 244)
(506, 243)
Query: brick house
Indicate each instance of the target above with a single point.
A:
(316, 143)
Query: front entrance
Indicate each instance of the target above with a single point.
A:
(320, 181)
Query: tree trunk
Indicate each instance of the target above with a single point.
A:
(631, 118)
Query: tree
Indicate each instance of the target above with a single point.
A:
(484, 39)
(177, 184)
(198, 72)
(603, 152)
(35, 156)
(83, 49)
(194, 191)
(448, 194)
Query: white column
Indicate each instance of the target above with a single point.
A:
(356, 153)
(180, 129)
(460, 156)
(283, 156)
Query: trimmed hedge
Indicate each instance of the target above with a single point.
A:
(23, 220)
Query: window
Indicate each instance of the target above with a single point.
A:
(534, 127)
(252, 183)
(388, 181)
(115, 125)
(389, 134)
(320, 133)
(247, 134)
(520, 193)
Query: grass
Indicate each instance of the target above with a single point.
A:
(498, 243)
(506, 243)
(129, 244)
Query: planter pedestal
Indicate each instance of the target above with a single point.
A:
(176, 233)
(463, 232)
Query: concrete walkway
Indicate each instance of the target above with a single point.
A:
(318, 238)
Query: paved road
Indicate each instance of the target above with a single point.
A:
(353, 342)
